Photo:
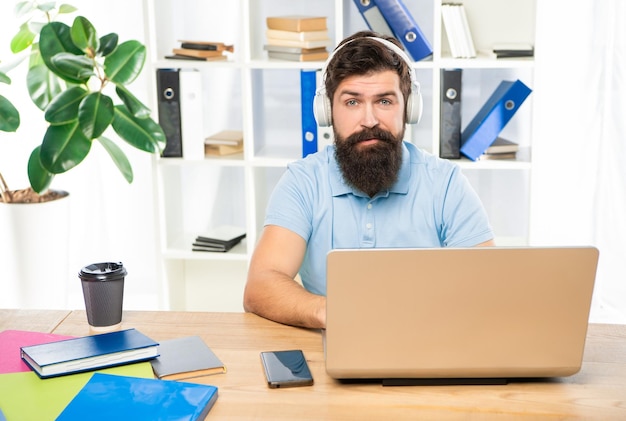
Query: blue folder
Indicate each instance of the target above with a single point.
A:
(309, 125)
(405, 28)
(485, 127)
(108, 397)
(372, 16)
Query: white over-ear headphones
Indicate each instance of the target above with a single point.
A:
(322, 106)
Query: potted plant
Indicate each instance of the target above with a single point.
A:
(80, 82)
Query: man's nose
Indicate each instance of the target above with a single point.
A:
(369, 118)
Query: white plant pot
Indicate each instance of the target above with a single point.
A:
(34, 247)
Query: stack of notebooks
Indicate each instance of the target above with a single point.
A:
(458, 31)
(500, 149)
(104, 377)
(201, 50)
(225, 142)
(297, 38)
(219, 239)
(513, 50)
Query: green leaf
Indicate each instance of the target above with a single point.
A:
(64, 107)
(95, 114)
(55, 38)
(136, 107)
(36, 26)
(73, 68)
(23, 39)
(118, 157)
(43, 85)
(40, 178)
(66, 8)
(143, 134)
(9, 116)
(84, 36)
(124, 64)
(22, 8)
(4, 78)
(108, 44)
(63, 147)
(46, 7)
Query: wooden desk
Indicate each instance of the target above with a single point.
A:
(598, 391)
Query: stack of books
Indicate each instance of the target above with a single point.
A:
(500, 149)
(458, 31)
(297, 38)
(219, 239)
(226, 142)
(513, 50)
(201, 50)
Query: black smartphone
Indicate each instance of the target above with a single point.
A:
(286, 369)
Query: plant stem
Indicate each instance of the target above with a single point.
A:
(5, 194)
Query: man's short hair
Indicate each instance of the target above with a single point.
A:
(363, 56)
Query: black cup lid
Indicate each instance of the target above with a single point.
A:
(106, 271)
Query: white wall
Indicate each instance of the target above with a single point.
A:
(110, 219)
(115, 221)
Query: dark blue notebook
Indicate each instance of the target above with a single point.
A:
(112, 397)
(89, 353)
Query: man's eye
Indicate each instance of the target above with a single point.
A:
(352, 102)
(385, 101)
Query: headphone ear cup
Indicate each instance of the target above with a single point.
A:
(414, 106)
(321, 109)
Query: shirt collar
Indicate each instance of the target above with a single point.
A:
(339, 186)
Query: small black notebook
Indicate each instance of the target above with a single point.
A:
(221, 238)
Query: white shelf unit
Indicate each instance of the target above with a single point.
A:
(262, 98)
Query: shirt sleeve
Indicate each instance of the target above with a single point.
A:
(288, 206)
(465, 221)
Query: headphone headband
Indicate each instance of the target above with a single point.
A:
(321, 102)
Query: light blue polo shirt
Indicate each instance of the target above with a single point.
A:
(431, 205)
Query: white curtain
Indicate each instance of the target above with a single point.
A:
(579, 151)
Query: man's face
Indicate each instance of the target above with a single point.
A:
(368, 121)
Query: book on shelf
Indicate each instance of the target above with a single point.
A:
(225, 137)
(182, 57)
(318, 43)
(12, 340)
(296, 36)
(206, 45)
(318, 56)
(225, 142)
(115, 397)
(502, 145)
(221, 150)
(458, 31)
(219, 239)
(186, 358)
(297, 23)
(293, 50)
(197, 53)
(513, 50)
(496, 156)
(89, 353)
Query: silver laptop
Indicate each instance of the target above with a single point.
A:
(464, 313)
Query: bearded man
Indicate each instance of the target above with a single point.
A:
(370, 189)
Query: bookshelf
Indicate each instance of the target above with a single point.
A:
(262, 97)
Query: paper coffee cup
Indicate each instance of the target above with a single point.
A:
(103, 291)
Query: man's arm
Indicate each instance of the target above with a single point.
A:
(271, 290)
(487, 243)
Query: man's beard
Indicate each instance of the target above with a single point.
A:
(372, 168)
